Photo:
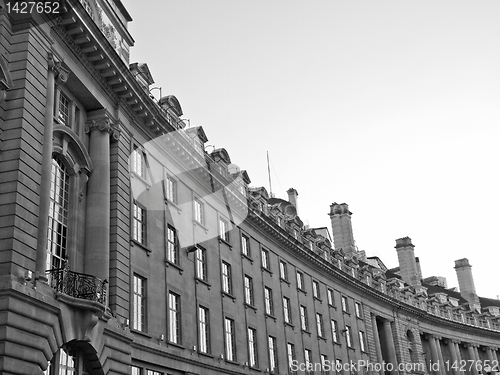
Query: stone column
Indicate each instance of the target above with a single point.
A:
(97, 219)
(391, 349)
(435, 355)
(442, 367)
(46, 173)
(492, 358)
(455, 362)
(473, 358)
(376, 338)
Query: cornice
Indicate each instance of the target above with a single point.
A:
(329, 270)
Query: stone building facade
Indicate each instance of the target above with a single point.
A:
(127, 248)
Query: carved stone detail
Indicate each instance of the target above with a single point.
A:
(105, 125)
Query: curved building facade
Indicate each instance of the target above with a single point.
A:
(127, 248)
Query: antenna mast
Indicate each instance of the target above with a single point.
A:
(269, 174)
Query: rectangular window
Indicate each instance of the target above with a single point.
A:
(135, 370)
(139, 223)
(151, 372)
(174, 315)
(362, 341)
(138, 160)
(331, 300)
(227, 283)
(348, 336)
(316, 293)
(171, 189)
(139, 309)
(64, 110)
(172, 245)
(252, 347)
(357, 308)
(245, 245)
(324, 363)
(308, 358)
(283, 271)
(230, 340)
(335, 331)
(201, 264)
(338, 366)
(198, 211)
(286, 310)
(268, 299)
(290, 350)
(223, 230)
(265, 259)
(345, 306)
(273, 355)
(319, 325)
(304, 324)
(204, 329)
(300, 280)
(248, 290)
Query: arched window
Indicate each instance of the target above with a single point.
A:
(58, 216)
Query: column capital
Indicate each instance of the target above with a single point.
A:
(103, 124)
(60, 73)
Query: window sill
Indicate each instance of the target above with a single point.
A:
(270, 316)
(198, 280)
(244, 256)
(170, 203)
(222, 240)
(322, 338)
(142, 333)
(204, 354)
(318, 299)
(346, 312)
(302, 291)
(135, 174)
(169, 343)
(247, 305)
(170, 264)
(285, 281)
(306, 331)
(197, 223)
(332, 306)
(359, 317)
(225, 294)
(290, 325)
(232, 362)
(142, 246)
(267, 270)
(351, 348)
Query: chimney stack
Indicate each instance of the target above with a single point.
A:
(408, 267)
(466, 282)
(340, 217)
(293, 198)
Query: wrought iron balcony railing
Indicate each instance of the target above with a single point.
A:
(78, 285)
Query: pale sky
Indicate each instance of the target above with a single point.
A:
(389, 106)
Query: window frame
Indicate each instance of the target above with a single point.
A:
(139, 303)
(245, 245)
(198, 211)
(300, 280)
(253, 356)
(335, 330)
(358, 310)
(345, 304)
(287, 310)
(224, 229)
(362, 342)
(268, 301)
(204, 330)
(283, 271)
(230, 339)
(304, 321)
(331, 297)
(265, 259)
(227, 278)
(320, 325)
(248, 290)
(173, 251)
(316, 291)
(348, 336)
(174, 318)
(170, 184)
(201, 264)
(273, 353)
(139, 223)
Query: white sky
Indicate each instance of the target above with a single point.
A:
(389, 106)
